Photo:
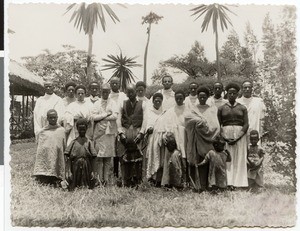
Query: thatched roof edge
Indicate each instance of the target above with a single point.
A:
(20, 76)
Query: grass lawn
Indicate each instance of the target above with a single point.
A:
(37, 205)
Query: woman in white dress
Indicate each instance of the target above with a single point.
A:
(81, 108)
(233, 118)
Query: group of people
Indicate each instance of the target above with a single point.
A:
(171, 140)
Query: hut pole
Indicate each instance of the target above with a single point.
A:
(23, 111)
(32, 107)
(27, 106)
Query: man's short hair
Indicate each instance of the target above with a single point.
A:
(94, 83)
(166, 76)
(82, 121)
(247, 81)
(140, 84)
(51, 111)
(69, 84)
(80, 87)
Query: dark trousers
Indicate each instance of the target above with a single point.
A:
(116, 166)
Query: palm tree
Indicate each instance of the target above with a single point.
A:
(86, 18)
(213, 12)
(149, 19)
(121, 66)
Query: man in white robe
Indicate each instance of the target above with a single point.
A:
(217, 99)
(256, 109)
(167, 92)
(140, 87)
(94, 90)
(117, 98)
(43, 104)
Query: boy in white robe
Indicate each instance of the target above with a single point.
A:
(192, 99)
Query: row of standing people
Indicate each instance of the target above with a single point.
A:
(173, 122)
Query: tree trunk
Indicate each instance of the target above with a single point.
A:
(89, 58)
(217, 56)
(146, 53)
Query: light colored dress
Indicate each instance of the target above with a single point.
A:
(67, 100)
(73, 112)
(152, 148)
(49, 159)
(42, 106)
(172, 121)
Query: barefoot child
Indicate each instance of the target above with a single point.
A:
(49, 165)
(131, 164)
(79, 154)
(217, 159)
(255, 159)
(174, 168)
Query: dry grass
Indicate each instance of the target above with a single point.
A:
(37, 205)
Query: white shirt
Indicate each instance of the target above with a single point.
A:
(42, 106)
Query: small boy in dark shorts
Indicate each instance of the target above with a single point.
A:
(255, 157)
(131, 164)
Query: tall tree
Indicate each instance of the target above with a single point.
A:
(149, 19)
(213, 13)
(194, 63)
(278, 69)
(236, 60)
(251, 41)
(86, 18)
(62, 66)
(121, 66)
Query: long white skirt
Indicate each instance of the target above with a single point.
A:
(237, 168)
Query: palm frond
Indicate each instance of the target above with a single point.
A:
(69, 8)
(213, 13)
(101, 16)
(111, 13)
(87, 17)
(207, 20)
(121, 66)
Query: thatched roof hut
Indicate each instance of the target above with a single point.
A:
(24, 82)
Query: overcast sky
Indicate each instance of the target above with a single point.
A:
(43, 26)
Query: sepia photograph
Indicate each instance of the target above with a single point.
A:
(152, 115)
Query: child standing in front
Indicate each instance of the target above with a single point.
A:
(49, 167)
(255, 159)
(79, 154)
(217, 178)
(131, 164)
